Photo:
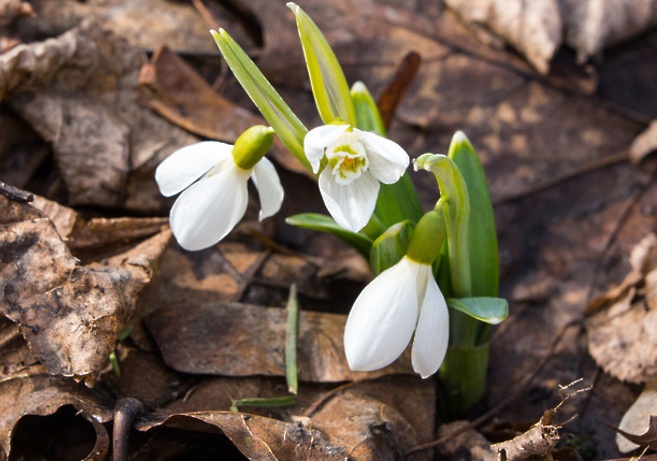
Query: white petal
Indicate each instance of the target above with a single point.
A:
(317, 139)
(381, 322)
(351, 205)
(388, 160)
(209, 209)
(269, 188)
(432, 331)
(186, 165)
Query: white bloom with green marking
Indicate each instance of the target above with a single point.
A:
(212, 177)
(355, 163)
(400, 301)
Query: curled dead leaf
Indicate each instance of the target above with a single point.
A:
(70, 315)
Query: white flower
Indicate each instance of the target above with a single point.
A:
(356, 162)
(403, 299)
(214, 192)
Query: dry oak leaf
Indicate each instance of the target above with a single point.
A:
(69, 314)
(622, 324)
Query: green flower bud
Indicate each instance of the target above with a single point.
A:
(252, 145)
(428, 238)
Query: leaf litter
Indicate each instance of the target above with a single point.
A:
(81, 92)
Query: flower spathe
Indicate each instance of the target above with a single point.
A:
(356, 162)
(401, 300)
(214, 192)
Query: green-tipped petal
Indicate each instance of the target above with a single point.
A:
(272, 107)
(327, 79)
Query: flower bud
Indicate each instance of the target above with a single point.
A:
(252, 145)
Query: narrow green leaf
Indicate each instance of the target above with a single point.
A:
(323, 223)
(391, 246)
(263, 402)
(482, 235)
(368, 117)
(487, 309)
(327, 79)
(272, 107)
(291, 340)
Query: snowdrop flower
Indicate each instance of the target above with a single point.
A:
(402, 300)
(212, 177)
(356, 162)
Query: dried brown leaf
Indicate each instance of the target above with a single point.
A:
(644, 144)
(378, 427)
(234, 339)
(593, 25)
(78, 92)
(43, 395)
(144, 23)
(69, 314)
(534, 28)
(639, 419)
(621, 321)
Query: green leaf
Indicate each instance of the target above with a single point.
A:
(482, 235)
(391, 246)
(368, 117)
(487, 309)
(323, 223)
(272, 107)
(327, 79)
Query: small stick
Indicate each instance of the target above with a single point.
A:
(125, 412)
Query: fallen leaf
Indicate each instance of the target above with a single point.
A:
(77, 92)
(378, 428)
(470, 441)
(620, 322)
(593, 25)
(537, 29)
(143, 23)
(639, 420)
(644, 144)
(41, 395)
(534, 28)
(69, 314)
(234, 339)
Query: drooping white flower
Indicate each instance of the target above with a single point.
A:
(214, 191)
(356, 163)
(401, 300)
